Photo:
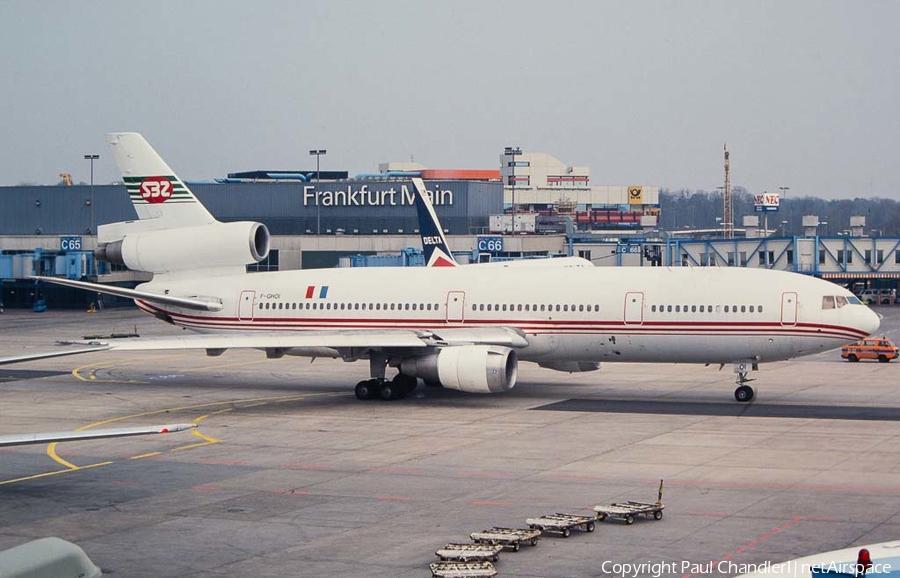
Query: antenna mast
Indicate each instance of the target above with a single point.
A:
(728, 216)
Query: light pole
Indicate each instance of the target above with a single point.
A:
(513, 152)
(317, 153)
(784, 191)
(783, 223)
(92, 158)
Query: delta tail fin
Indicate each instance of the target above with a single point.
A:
(434, 244)
(155, 190)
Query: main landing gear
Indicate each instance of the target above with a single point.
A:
(377, 386)
(387, 390)
(743, 393)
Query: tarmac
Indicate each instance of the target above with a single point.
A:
(290, 475)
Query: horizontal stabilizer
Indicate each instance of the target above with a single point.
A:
(192, 302)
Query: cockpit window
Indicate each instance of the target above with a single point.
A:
(838, 301)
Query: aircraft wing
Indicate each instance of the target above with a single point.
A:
(333, 339)
(313, 341)
(69, 436)
(50, 354)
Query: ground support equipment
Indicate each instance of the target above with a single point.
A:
(462, 570)
(628, 510)
(562, 523)
(455, 552)
(512, 538)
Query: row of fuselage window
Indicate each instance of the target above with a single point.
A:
(534, 307)
(706, 308)
(501, 307)
(315, 305)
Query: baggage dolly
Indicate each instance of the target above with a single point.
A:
(462, 570)
(628, 510)
(478, 552)
(562, 523)
(512, 538)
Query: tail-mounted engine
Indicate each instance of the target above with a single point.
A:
(194, 247)
(469, 368)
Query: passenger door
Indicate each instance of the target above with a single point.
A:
(456, 304)
(245, 306)
(634, 308)
(789, 309)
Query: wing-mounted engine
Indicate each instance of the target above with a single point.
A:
(187, 248)
(571, 366)
(469, 368)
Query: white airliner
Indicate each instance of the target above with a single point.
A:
(465, 328)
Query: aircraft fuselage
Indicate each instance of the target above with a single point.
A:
(694, 315)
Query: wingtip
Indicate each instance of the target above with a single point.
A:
(177, 427)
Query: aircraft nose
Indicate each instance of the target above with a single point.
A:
(869, 321)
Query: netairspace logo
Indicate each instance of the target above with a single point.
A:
(730, 568)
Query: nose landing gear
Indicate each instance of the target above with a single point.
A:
(744, 393)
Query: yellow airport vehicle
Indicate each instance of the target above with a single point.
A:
(880, 348)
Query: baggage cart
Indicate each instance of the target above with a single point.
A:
(462, 570)
(477, 552)
(628, 510)
(562, 523)
(512, 538)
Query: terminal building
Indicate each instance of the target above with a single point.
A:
(533, 206)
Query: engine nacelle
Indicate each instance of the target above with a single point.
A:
(469, 368)
(572, 366)
(199, 247)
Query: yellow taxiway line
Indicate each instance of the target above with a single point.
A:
(233, 404)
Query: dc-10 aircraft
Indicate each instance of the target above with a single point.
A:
(464, 328)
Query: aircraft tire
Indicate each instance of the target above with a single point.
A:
(389, 391)
(364, 390)
(743, 393)
(405, 383)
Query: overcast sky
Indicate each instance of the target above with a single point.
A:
(805, 93)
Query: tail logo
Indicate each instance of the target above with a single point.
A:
(156, 189)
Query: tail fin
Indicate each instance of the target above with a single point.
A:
(434, 244)
(155, 190)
